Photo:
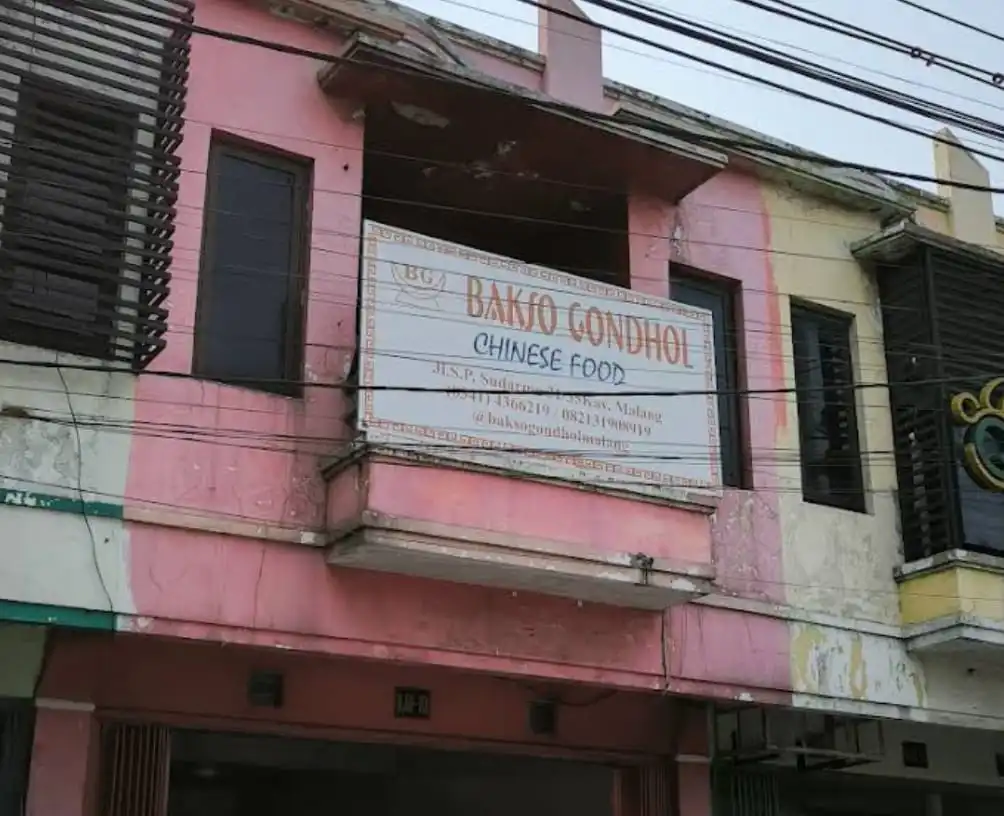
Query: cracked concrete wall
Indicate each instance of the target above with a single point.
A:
(65, 439)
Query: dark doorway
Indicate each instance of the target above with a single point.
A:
(227, 775)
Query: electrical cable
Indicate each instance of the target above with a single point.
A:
(79, 476)
(954, 20)
(763, 457)
(749, 324)
(757, 147)
(195, 511)
(802, 67)
(655, 21)
(742, 33)
(532, 392)
(856, 32)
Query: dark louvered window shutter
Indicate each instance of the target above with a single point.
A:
(64, 227)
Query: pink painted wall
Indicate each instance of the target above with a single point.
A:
(724, 228)
(233, 589)
(274, 99)
(189, 683)
(577, 519)
(199, 685)
(61, 780)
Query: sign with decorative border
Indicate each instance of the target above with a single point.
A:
(533, 370)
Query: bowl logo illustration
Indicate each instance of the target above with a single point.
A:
(418, 284)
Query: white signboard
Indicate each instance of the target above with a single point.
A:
(532, 369)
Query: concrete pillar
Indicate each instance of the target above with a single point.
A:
(972, 211)
(693, 787)
(572, 48)
(650, 222)
(62, 778)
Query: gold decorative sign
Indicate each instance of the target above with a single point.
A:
(983, 443)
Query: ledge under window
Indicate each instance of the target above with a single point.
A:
(953, 603)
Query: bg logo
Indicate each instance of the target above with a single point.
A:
(418, 284)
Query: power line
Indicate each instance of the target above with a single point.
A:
(802, 67)
(571, 186)
(645, 451)
(658, 22)
(744, 33)
(748, 327)
(350, 387)
(758, 147)
(954, 20)
(216, 513)
(822, 21)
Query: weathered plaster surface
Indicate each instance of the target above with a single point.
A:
(854, 665)
(39, 446)
(847, 653)
(226, 588)
(63, 559)
(835, 561)
(724, 229)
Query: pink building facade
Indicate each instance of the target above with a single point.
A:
(266, 574)
(228, 528)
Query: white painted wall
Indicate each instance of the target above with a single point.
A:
(51, 557)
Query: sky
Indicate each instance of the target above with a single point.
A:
(806, 123)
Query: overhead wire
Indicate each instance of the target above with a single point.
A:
(350, 387)
(762, 456)
(756, 146)
(953, 20)
(710, 35)
(680, 63)
(657, 22)
(815, 19)
(751, 327)
(60, 366)
(192, 511)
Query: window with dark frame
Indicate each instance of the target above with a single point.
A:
(249, 324)
(827, 414)
(719, 297)
(64, 229)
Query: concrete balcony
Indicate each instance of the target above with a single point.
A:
(953, 604)
(392, 510)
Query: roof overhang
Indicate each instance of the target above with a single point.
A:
(341, 15)
(901, 240)
(371, 70)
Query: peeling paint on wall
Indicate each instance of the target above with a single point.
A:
(839, 663)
